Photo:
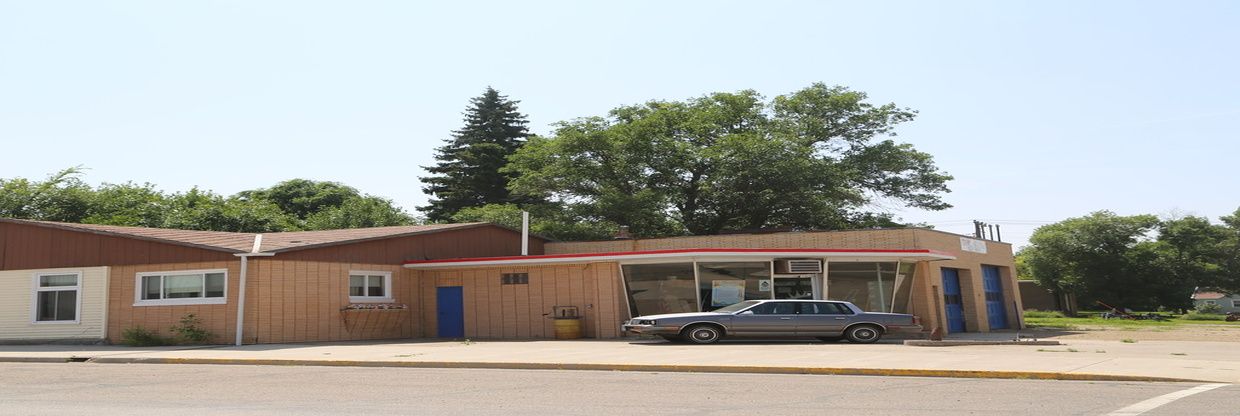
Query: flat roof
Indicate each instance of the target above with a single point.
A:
(621, 256)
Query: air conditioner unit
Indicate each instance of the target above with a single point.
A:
(798, 266)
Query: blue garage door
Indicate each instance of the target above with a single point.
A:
(996, 309)
(451, 312)
(952, 300)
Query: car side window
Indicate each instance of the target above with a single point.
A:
(839, 308)
(814, 308)
(775, 308)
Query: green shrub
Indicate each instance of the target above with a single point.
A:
(1210, 308)
(1197, 316)
(190, 330)
(142, 337)
(1043, 314)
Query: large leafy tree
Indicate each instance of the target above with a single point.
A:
(315, 205)
(1094, 256)
(296, 204)
(820, 157)
(1135, 261)
(467, 173)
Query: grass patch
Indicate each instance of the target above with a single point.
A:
(1128, 341)
(1178, 353)
(1048, 320)
(1043, 314)
(1195, 316)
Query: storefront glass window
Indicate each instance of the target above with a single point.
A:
(869, 285)
(904, 287)
(723, 284)
(660, 288)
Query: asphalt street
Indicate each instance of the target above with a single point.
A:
(104, 389)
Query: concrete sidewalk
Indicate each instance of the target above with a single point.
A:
(1075, 360)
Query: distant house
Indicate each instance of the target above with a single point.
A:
(1230, 302)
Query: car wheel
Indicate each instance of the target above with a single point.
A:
(703, 334)
(830, 339)
(864, 334)
(672, 338)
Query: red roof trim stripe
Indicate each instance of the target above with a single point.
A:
(679, 251)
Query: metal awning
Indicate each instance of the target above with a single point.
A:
(716, 254)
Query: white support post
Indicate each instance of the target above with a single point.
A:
(525, 233)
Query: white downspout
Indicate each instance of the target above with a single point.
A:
(525, 233)
(245, 265)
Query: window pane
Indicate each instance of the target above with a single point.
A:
(215, 285)
(357, 285)
(867, 285)
(904, 287)
(150, 287)
(183, 286)
(58, 280)
(66, 305)
(46, 309)
(723, 284)
(375, 288)
(660, 288)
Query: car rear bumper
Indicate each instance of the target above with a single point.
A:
(903, 329)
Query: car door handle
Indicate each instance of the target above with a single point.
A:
(840, 319)
(784, 319)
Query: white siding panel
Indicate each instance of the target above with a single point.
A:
(17, 295)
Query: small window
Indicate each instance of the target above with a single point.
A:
(1235, 303)
(192, 287)
(515, 279)
(370, 286)
(56, 298)
(1210, 302)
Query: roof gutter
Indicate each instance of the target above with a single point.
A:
(255, 251)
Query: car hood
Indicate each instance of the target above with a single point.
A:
(682, 315)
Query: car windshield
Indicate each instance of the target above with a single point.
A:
(736, 306)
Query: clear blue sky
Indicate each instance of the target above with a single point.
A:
(1042, 110)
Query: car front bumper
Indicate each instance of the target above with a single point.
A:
(650, 329)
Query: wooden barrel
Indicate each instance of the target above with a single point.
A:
(567, 328)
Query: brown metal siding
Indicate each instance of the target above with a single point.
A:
(470, 242)
(301, 301)
(495, 310)
(33, 247)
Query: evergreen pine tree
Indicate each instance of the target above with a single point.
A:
(467, 173)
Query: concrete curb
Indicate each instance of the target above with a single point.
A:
(43, 359)
(1023, 375)
(950, 343)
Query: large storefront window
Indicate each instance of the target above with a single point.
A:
(723, 284)
(660, 288)
(873, 287)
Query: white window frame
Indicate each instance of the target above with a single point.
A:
(1235, 303)
(387, 286)
(1210, 302)
(34, 297)
(137, 289)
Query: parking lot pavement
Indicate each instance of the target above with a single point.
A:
(1205, 361)
(97, 389)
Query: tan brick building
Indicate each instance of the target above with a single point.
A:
(89, 282)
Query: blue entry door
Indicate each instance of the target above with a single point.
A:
(996, 308)
(953, 301)
(451, 312)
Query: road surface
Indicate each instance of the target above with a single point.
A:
(104, 389)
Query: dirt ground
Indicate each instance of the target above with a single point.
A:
(1187, 332)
